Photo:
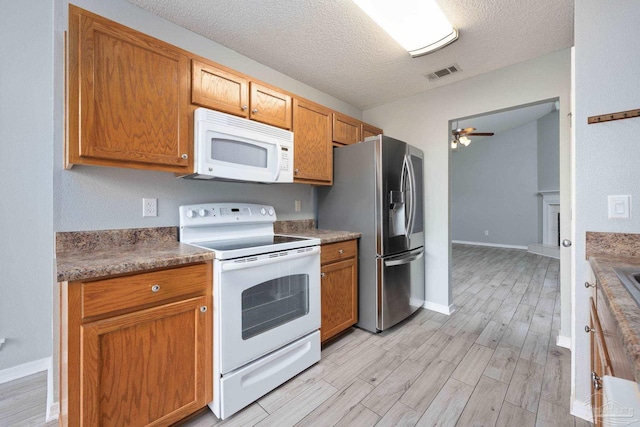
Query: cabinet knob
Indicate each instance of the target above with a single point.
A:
(185, 156)
(589, 285)
(255, 110)
(155, 288)
(322, 274)
(340, 251)
(203, 309)
(587, 329)
(296, 170)
(244, 107)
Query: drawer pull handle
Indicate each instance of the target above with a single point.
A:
(596, 381)
(589, 285)
(155, 288)
(340, 251)
(203, 309)
(588, 329)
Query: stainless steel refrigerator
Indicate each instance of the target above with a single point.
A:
(378, 191)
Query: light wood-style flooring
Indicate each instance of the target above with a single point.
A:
(493, 362)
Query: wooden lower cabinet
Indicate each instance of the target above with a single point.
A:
(148, 364)
(339, 288)
(608, 354)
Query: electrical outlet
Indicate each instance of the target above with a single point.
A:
(486, 232)
(149, 207)
(298, 206)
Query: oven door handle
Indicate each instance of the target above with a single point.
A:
(290, 255)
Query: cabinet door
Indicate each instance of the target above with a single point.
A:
(146, 367)
(312, 137)
(128, 98)
(270, 106)
(346, 130)
(368, 130)
(339, 297)
(219, 89)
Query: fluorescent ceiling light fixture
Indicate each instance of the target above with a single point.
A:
(419, 26)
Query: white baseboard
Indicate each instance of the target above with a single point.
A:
(439, 308)
(581, 409)
(562, 341)
(493, 245)
(24, 370)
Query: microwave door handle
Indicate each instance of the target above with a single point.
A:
(278, 160)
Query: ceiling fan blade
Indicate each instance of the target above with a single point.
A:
(467, 130)
(481, 134)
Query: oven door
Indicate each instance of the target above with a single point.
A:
(265, 302)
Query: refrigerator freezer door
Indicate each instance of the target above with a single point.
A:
(400, 287)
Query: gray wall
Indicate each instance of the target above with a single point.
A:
(494, 188)
(606, 154)
(39, 198)
(26, 199)
(548, 152)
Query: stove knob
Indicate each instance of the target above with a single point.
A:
(263, 211)
(191, 214)
(271, 211)
(202, 212)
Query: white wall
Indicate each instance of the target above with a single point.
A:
(548, 153)
(422, 120)
(607, 61)
(26, 150)
(494, 188)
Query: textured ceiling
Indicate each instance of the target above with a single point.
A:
(505, 120)
(334, 47)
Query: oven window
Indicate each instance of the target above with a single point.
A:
(274, 303)
(238, 152)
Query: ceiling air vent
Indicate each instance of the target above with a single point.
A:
(444, 72)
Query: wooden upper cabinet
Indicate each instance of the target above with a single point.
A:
(270, 106)
(128, 99)
(219, 89)
(313, 150)
(346, 130)
(369, 130)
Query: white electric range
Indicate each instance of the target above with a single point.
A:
(266, 299)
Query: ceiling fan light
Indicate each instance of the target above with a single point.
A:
(465, 141)
(454, 144)
(418, 26)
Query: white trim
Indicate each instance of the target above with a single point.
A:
(439, 308)
(53, 408)
(562, 341)
(495, 245)
(24, 370)
(581, 409)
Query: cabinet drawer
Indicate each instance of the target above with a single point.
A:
(338, 251)
(105, 296)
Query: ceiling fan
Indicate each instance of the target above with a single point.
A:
(461, 136)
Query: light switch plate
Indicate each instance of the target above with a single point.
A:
(619, 207)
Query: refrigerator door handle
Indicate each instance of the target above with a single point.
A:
(412, 196)
(404, 260)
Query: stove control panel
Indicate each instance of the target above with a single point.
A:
(214, 214)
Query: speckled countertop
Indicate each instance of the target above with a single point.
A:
(94, 254)
(84, 255)
(327, 236)
(604, 255)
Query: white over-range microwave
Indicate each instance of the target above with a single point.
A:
(233, 148)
